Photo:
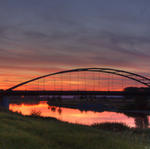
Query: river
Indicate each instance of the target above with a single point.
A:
(78, 117)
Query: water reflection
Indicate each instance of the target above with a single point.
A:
(139, 104)
(141, 120)
(80, 117)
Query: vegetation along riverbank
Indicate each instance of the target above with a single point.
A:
(28, 132)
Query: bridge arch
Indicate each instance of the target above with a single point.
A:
(133, 76)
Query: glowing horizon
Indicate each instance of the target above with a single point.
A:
(78, 81)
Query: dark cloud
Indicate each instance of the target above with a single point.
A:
(74, 34)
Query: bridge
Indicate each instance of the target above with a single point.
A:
(132, 76)
(80, 93)
(82, 81)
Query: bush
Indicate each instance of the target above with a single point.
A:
(35, 113)
(116, 127)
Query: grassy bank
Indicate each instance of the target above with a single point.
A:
(19, 132)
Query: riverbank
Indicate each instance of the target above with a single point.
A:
(26, 132)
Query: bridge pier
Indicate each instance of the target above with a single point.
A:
(4, 102)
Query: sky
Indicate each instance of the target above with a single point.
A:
(43, 36)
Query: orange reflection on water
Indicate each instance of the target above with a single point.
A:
(72, 115)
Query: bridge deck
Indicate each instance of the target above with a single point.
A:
(107, 93)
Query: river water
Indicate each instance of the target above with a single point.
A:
(76, 116)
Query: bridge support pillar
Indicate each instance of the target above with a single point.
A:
(4, 102)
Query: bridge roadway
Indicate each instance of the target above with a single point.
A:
(106, 93)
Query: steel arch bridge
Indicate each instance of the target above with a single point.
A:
(130, 75)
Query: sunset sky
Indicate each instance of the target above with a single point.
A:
(42, 36)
